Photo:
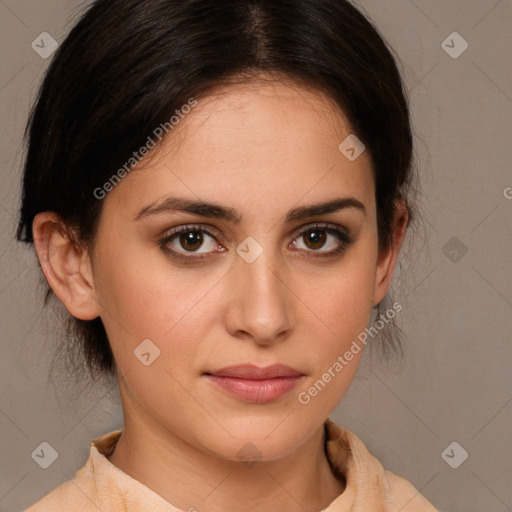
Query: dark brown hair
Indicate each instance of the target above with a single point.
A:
(127, 65)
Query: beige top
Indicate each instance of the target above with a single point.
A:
(99, 486)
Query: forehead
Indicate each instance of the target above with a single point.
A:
(254, 112)
(263, 140)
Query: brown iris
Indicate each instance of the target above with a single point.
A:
(316, 237)
(191, 238)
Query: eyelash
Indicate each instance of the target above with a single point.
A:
(344, 240)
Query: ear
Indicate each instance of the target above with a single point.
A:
(388, 256)
(65, 265)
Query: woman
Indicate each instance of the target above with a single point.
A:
(217, 192)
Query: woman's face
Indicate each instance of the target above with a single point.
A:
(267, 289)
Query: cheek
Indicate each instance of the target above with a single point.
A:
(144, 306)
(343, 309)
(342, 305)
(149, 299)
(345, 299)
(136, 287)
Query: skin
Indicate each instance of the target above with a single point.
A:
(261, 148)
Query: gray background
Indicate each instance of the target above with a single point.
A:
(456, 381)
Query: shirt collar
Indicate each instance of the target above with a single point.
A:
(366, 482)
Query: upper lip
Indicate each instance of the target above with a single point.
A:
(252, 372)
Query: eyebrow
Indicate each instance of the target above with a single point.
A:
(216, 211)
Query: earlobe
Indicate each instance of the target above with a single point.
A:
(387, 258)
(65, 265)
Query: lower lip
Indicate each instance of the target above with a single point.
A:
(256, 391)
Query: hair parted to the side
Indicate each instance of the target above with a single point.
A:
(127, 65)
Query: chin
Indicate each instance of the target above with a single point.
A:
(263, 438)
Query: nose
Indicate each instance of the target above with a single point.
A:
(260, 301)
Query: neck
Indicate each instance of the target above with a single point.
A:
(192, 478)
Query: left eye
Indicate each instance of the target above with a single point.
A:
(315, 239)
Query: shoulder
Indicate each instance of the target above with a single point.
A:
(84, 490)
(366, 479)
(405, 497)
(78, 491)
(62, 497)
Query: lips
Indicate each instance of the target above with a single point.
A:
(252, 372)
(253, 384)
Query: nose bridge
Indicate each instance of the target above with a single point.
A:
(260, 302)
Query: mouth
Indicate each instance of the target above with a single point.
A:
(257, 385)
